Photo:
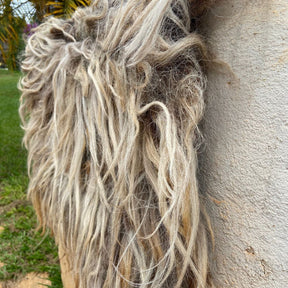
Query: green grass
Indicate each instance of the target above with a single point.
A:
(22, 250)
(12, 155)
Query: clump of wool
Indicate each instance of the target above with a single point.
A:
(111, 101)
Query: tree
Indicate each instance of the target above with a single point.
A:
(10, 34)
(40, 9)
(65, 8)
(15, 14)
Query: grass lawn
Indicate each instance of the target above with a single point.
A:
(22, 250)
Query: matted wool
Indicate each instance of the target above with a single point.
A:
(110, 103)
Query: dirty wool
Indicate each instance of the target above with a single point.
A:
(110, 103)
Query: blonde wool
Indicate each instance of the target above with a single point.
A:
(110, 104)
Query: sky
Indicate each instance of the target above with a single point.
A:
(25, 9)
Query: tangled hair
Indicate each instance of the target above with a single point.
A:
(110, 104)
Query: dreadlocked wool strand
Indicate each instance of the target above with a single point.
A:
(110, 104)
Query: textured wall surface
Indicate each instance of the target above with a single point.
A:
(244, 168)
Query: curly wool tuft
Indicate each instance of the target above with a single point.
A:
(110, 104)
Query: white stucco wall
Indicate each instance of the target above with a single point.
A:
(244, 169)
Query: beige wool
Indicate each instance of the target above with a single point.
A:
(110, 104)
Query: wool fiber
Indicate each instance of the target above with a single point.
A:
(111, 101)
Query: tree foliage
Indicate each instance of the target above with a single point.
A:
(10, 34)
(14, 16)
(65, 9)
